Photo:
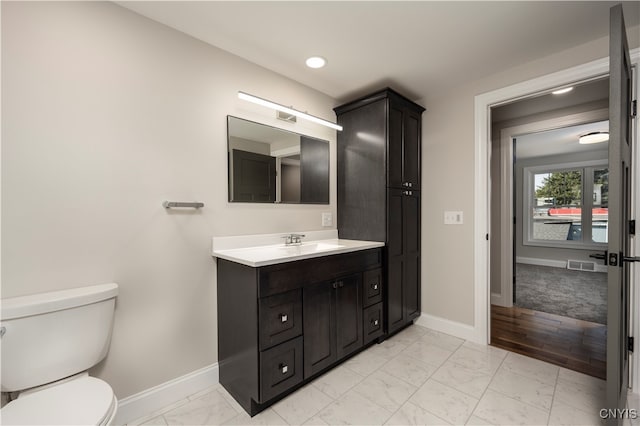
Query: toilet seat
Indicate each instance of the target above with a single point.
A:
(82, 401)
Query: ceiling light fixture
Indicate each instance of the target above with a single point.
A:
(594, 137)
(278, 107)
(316, 62)
(562, 91)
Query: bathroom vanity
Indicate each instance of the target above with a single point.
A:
(288, 313)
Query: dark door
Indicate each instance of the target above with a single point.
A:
(253, 177)
(314, 171)
(348, 315)
(319, 328)
(619, 213)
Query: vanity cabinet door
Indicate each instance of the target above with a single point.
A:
(411, 149)
(319, 327)
(404, 147)
(403, 256)
(348, 315)
(411, 225)
(396, 314)
(332, 325)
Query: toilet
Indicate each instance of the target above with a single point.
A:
(48, 342)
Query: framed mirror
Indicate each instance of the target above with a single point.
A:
(271, 165)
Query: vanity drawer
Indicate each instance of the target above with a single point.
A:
(280, 318)
(288, 276)
(280, 368)
(372, 318)
(372, 287)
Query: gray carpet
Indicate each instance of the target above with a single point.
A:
(575, 294)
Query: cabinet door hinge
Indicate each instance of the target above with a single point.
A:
(634, 108)
(632, 227)
(630, 343)
(487, 237)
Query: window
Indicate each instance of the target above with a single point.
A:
(566, 205)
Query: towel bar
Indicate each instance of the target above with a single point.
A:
(191, 204)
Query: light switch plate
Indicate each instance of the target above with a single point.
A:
(453, 218)
(327, 219)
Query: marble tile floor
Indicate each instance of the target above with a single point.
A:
(419, 376)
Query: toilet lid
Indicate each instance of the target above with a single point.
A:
(83, 401)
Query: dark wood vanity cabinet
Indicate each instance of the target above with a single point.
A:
(379, 187)
(281, 325)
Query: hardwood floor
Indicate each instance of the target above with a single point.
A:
(567, 342)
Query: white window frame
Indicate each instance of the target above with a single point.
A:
(587, 168)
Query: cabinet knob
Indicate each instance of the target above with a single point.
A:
(335, 284)
(407, 192)
(375, 322)
(374, 286)
(284, 317)
(340, 284)
(284, 368)
(410, 185)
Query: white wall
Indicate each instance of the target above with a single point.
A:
(106, 114)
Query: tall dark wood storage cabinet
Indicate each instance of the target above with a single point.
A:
(379, 191)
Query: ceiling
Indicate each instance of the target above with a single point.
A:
(585, 93)
(559, 141)
(415, 47)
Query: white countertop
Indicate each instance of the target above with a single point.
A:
(256, 251)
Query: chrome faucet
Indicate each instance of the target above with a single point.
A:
(293, 239)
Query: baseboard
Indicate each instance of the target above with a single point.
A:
(155, 398)
(552, 263)
(499, 300)
(443, 325)
(542, 262)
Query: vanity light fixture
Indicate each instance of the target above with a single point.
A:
(316, 62)
(594, 137)
(562, 91)
(288, 110)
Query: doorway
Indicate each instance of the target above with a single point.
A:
(622, 297)
(548, 296)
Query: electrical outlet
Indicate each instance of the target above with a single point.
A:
(327, 219)
(453, 218)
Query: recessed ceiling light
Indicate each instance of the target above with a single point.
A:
(594, 137)
(316, 62)
(561, 91)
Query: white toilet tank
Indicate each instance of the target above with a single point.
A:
(50, 336)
